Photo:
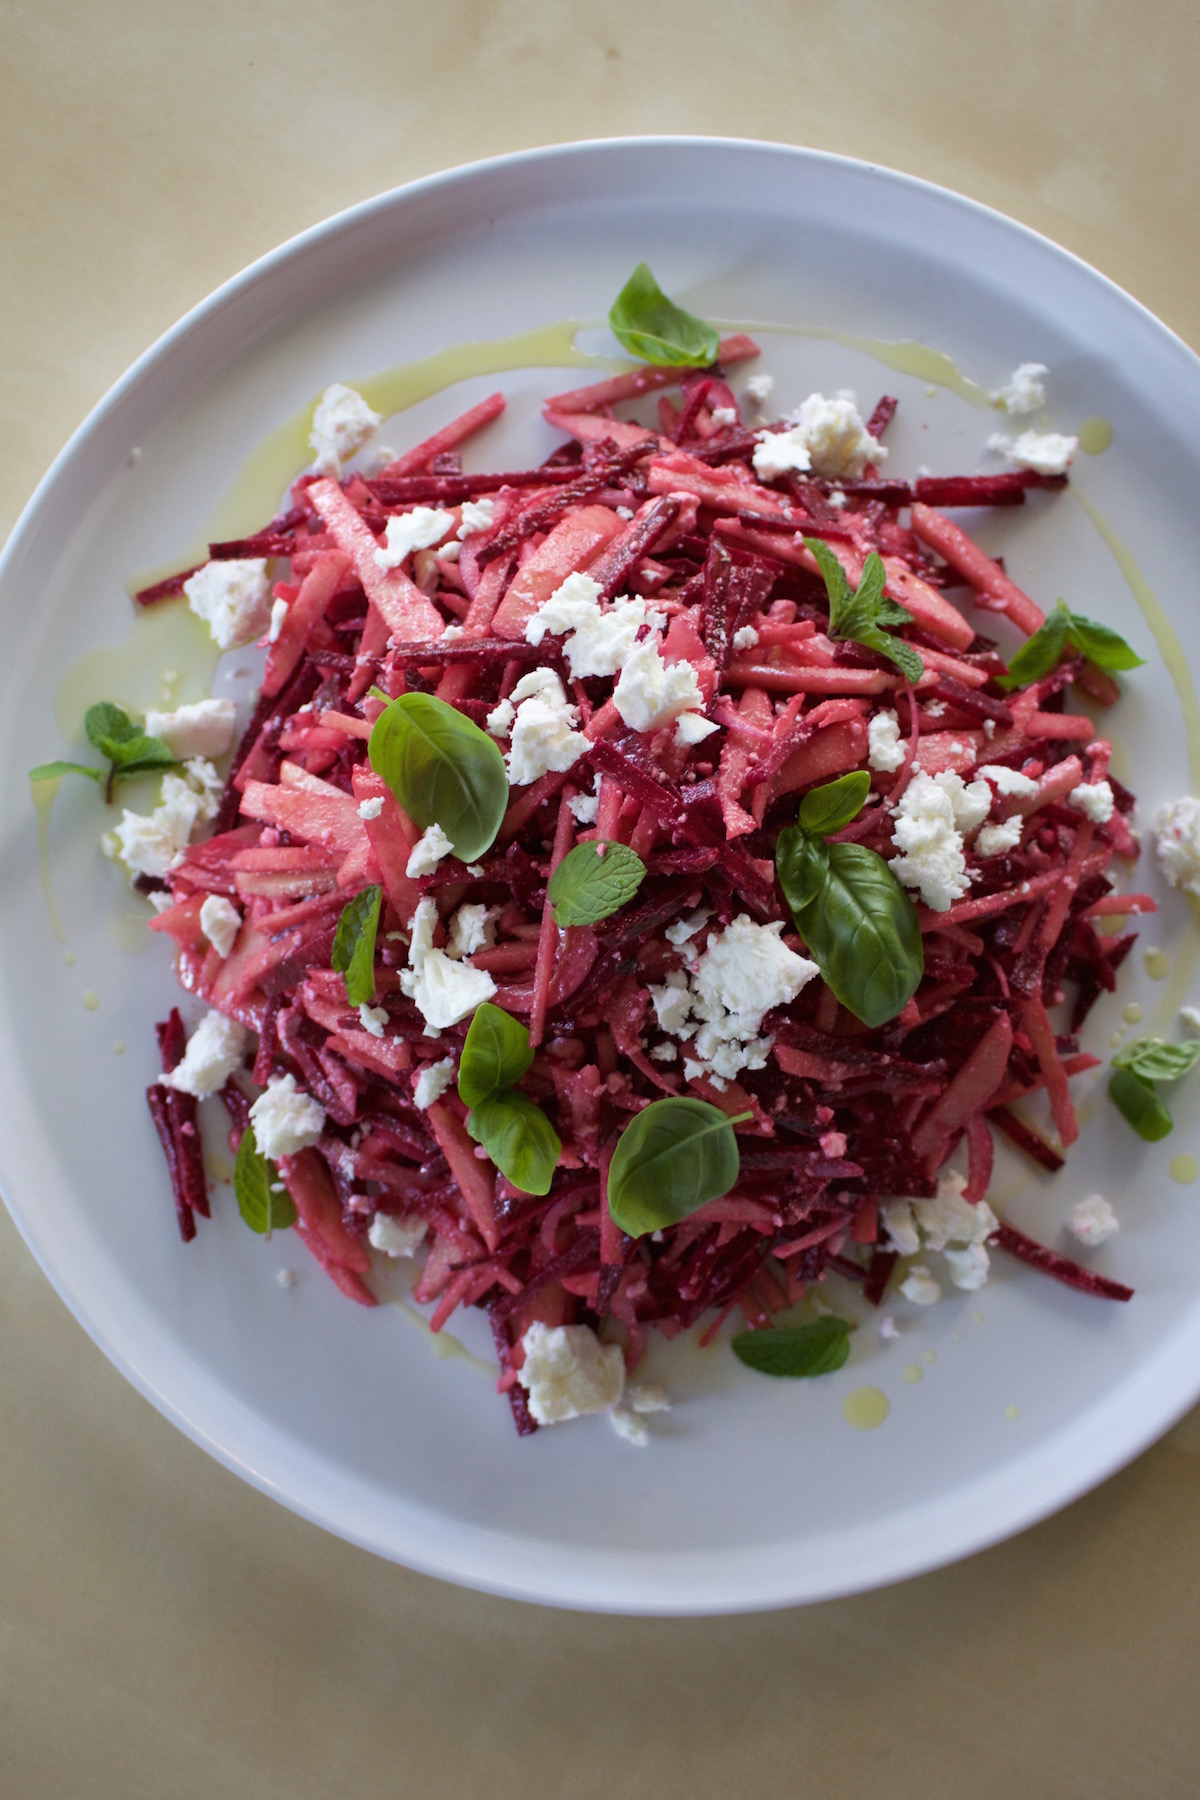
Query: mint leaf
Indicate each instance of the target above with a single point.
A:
(588, 886)
(125, 744)
(519, 1138)
(1101, 646)
(657, 331)
(833, 806)
(1138, 1103)
(1043, 651)
(442, 769)
(798, 1351)
(353, 954)
(861, 615)
(1154, 1060)
(52, 770)
(670, 1159)
(262, 1199)
(495, 1055)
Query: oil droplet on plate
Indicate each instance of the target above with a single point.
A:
(1132, 1013)
(1012, 1412)
(70, 958)
(913, 1374)
(929, 1356)
(977, 1318)
(1117, 1039)
(91, 1000)
(1157, 964)
(865, 1408)
(1095, 436)
(1184, 1168)
(118, 1047)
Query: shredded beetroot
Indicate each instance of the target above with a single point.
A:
(841, 1117)
(1063, 1269)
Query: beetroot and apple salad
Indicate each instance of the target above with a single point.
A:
(644, 873)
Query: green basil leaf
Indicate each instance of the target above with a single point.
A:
(860, 925)
(353, 954)
(1154, 1060)
(798, 1351)
(861, 616)
(256, 1186)
(1105, 648)
(1039, 654)
(495, 1055)
(1137, 1102)
(442, 769)
(52, 771)
(654, 329)
(833, 806)
(670, 1159)
(588, 886)
(519, 1138)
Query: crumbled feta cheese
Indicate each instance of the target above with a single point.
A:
(584, 807)
(499, 720)
(202, 728)
(826, 436)
(888, 1328)
(451, 553)
(1093, 1221)
(971, 800)
(969, 1267)
(472, 928)
(994, 840)
(206, 784)
(451, 632)
(444, 991)
(162, 900)
(432, 1082)
(931, 846)
(937, 1224)
(920, 1287)
(1094, 799)
(627, 1425)
(1023, 392)
(220, 921)
(428, 852)
(279, 612)
(1045, 452)
(624, 512)
(1009, 782)
(664, 1053)
(598, 641)
(1177, 842)
(759, 388)
(684, 929)
(885, 751)
(285, 1120)
(744, 973)
(542, 736)
(568, 1372)
(477, 515)
(651, 692)
(901, 1227)
(396, 1237)
(214, 1050)
(723, 416)
(745, 638)
(342, 423)
(370, 809)
(949, 1219)
(151, 844)
(693, 728)
(419, 529)
(989, 728)
(1190, 1016)
(837, 499)
(373, 1019)
(233, 598)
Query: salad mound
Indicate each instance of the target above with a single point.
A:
(639, 877)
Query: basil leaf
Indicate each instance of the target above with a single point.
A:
(1154, 1060)
(442, 769)
(1039, 654)
(53, 770)
(588, 886)
(519, 1138)
(798, 1351)
(1137, 1102)
(353, 954)
(255, 1181)
(860, 926)
(654, 329)
(831, 807)
(1101, 646)
(495, 1055)
(670, 1159)
(861, 616)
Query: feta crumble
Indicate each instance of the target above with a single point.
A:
(885, 751)
(342, 423)
(584, 807)
(151, 844)
(233, 598)
(598, 641)
(1093, 1221)
(929, 837)
(396, 1237)
(1094, 799)
(921, 1287)
(1024, 390)
(568, 1372)
(370, 809)
(1177, 842)
(743, 974)
(477, 515)
(994, 840)
(826, 436)
(428, 852)
(651, 692)
(472, 928)
(542, 735)
(214, 1050)
(744, 638)
(419, 529)
(759, 388)
(1009, 782)
(443, 990)
(220, 921)
(693, 728)
(947, 1224)
(201, 728)
(1045, 452)
(1190, 1017)
(724, 416)
(373, 1019)
(285, 1120)
(279, 612)
(432, 1082)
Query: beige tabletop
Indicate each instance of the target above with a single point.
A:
(165, 1631)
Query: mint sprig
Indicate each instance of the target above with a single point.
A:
(864, 614)
(593, 881)
(353, 953)
(1064, 629)
(125, 745)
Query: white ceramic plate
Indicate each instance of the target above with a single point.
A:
(753, 1493)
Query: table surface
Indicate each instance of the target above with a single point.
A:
(166, 1631)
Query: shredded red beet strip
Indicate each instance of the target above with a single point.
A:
(1026, 1138)
(457, 432)
(1063, 1269)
